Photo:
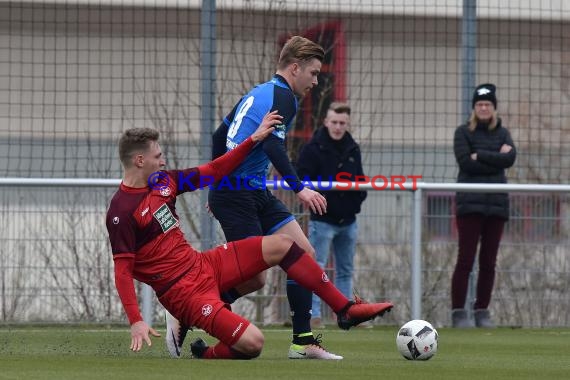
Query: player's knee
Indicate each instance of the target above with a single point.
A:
(256, 347)
(251, 344)
(287, 241)
(284, 243)
(276, 247)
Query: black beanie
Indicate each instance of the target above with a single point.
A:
(485, 92)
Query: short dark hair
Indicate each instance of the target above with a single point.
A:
(135, 140)
(301, 50)
(340, 107)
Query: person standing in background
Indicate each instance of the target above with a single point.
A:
(483, 149)
(331, 151)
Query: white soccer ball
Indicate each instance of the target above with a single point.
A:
(417, 340)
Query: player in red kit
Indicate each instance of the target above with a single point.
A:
(148, 246)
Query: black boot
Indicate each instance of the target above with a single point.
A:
(483, 319)
(460, 320)
(198, 348)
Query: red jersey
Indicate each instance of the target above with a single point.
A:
(144, 229)
(142, 222)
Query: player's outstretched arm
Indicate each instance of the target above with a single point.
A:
(125, 288)
(139, 333)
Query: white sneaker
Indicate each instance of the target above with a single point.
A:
(175, 334)
(312, 351)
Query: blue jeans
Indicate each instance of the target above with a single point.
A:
(343, 241)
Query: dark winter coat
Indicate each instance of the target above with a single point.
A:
(488, 168)
(320, 160)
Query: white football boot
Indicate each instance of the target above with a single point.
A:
(312, 351)
(175, 334)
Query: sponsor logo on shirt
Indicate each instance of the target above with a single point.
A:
(165, 218)
(324, 277)
(144, 212)
(116, 220)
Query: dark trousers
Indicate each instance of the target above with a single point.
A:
(471, 228)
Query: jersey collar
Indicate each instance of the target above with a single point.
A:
(278, 78)
(129, 189)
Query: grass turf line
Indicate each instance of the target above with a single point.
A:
(101, 353)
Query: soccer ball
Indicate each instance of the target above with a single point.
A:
(417, 340)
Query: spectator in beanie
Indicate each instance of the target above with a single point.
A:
(483, 149)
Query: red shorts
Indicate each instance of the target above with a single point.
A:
(195, 298)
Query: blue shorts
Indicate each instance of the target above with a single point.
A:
(245, 213)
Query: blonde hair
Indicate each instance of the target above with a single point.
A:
(473, 120)
(299, 50)
(135, 140)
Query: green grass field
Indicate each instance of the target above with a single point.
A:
(102, 353)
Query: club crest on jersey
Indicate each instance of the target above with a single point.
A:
(206, 310)
(165, 192)
(324, 277)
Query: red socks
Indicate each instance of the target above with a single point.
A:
(222, 351)
(306, 272)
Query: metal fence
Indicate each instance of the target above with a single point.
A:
(75, 73)
(60, 270)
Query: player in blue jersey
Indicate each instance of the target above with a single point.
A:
(243, 212)
(245, 208)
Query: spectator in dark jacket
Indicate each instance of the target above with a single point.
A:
(332, 150)
(483, 149)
